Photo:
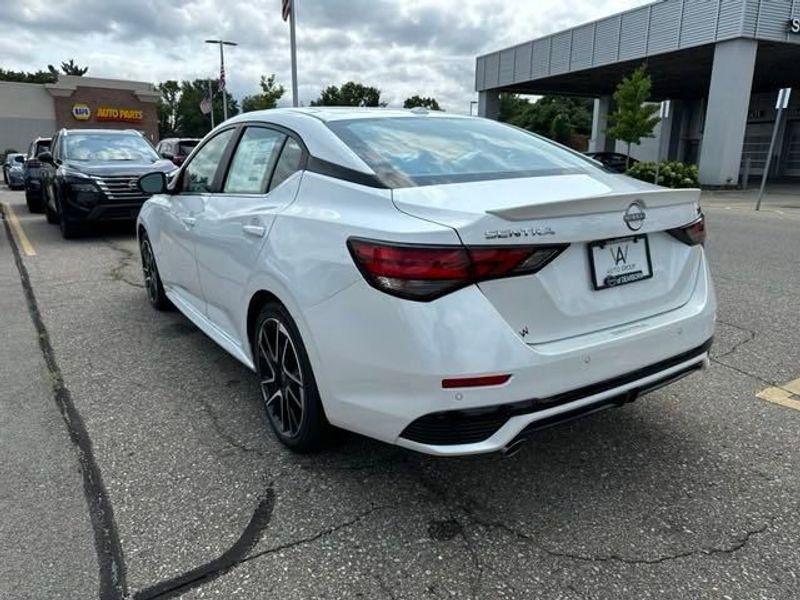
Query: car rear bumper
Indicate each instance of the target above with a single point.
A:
(383, 361)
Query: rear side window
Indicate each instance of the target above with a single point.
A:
(408, 151)
(199, 174)
(252, 163)
(289, 162)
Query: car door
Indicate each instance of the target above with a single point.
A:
(176, 253)
(232, 229)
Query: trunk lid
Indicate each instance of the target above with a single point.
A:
(561, 301)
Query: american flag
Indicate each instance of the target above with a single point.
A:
(286, 9)
(205, 105)
(222, 78)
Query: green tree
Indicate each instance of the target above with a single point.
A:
(350, 94)
(556, 117)
(191, 122)
(26, 77)
(169, 122)
(71, 68)
(271, 92)
(425, 102)
(634, 118)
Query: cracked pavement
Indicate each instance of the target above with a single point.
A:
(691, 492)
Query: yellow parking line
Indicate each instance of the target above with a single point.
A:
(787, 395)
(19, 232)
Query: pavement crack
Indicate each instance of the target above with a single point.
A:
(232, 557)
(320, 534)
(117, 272)
(737, 544)
(751, 335)
(229, 439)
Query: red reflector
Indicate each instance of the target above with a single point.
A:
(460, 382)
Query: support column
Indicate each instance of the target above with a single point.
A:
(489, 104)
(726, 112)
(600, 142)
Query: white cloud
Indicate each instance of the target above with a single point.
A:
(403, 47)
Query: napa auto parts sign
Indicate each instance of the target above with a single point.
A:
(81, 112)
(111, 113)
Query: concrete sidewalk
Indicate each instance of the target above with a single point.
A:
(778, 198)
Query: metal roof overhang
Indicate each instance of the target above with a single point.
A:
(679, 74)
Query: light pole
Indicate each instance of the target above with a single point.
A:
(222, 73)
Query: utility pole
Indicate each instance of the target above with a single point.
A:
(222, 86)
(289, 13)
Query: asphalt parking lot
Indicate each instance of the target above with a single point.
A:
(135, 462)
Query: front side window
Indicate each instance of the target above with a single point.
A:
(253, 160)
(408, 151)
(108, 147)
(198, 176)
(289, 162)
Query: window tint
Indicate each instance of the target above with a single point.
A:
(253, 160)
(407, 151)
(288, 163)
(199, 173)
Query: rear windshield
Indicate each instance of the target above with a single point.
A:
(409, 151)
(108, 147)
(185, 147)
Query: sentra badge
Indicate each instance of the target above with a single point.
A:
(526, 232)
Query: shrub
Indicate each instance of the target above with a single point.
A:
(672, 174)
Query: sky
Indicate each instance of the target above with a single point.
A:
(402, 47)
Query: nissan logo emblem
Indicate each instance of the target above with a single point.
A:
(634, 215)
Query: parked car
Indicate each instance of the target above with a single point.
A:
(615, 161)
(176, 149)
(33, 174)
(13, 161)
(444, 283)
(90, 176)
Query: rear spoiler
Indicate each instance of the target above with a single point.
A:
(605, 203)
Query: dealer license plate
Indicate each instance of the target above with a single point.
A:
(620, 261)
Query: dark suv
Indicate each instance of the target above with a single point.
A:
(176, 149)
(90, 176)
(32, 174)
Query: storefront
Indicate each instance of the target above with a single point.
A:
(28, 111)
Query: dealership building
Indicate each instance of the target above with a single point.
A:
(31, 110)
(721, 64)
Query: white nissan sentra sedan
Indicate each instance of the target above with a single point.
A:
(448, 284)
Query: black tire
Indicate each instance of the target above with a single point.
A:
(152, 280)
(69, 229)
(52, 215)
(296, 416)
(34, 204)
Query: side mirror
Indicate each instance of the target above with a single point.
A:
(19, 159)
(46, 157)
(153, 183)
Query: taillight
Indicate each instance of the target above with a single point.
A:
(692, 234)
(423, 273)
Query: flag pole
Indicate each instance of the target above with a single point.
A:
(292, 14)
(211, 102)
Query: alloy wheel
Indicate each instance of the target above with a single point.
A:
(149, 271)
(281, 378)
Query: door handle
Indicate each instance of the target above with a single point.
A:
(254, 230)
(189, 221)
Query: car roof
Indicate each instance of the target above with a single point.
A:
(111, 131)
(310, 123)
